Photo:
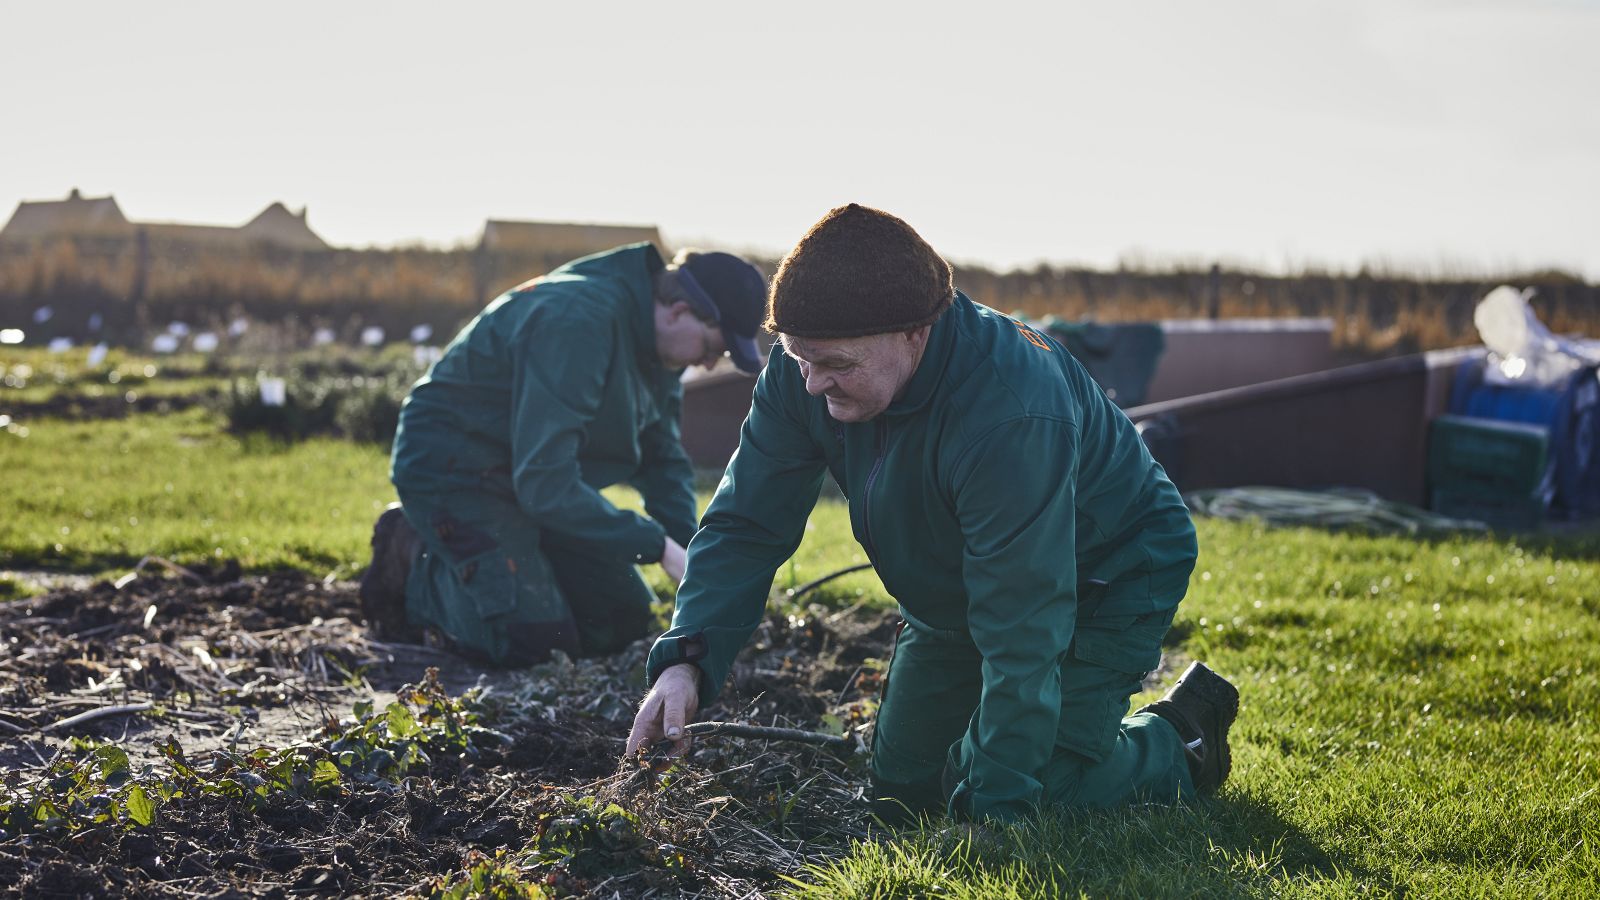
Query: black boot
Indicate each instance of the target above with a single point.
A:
(1202, 706)
(395, 545)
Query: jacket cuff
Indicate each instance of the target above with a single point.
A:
(710, 650)
(671, 650)
(651, 543)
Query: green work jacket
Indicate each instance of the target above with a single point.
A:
(556, 390)
(996, 489)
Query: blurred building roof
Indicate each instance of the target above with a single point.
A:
(79, 215)
(76, 214)
(562, 239)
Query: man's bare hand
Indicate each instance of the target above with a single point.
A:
(673, 561)
(669, 706)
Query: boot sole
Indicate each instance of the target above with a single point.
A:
(1223, 699)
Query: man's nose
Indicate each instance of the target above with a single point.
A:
(817, 383)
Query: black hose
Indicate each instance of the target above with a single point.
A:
(802, 590)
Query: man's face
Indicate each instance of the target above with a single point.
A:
(859, 377)
(683, 339)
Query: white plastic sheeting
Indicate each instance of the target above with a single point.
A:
(1521, 349)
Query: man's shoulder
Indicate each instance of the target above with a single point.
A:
(1003, 375)
(1008, 370)
(563, 309)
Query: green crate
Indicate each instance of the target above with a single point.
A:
(1468, 455)
(1505, 512)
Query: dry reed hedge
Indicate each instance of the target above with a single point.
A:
(136, 289)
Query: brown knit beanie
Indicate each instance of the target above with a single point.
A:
(858, 271)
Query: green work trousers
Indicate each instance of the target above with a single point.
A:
(1102, 757)
(509, 592)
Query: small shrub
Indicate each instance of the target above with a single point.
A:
(484, 877)
(424, 722)
(357, 407)
(95, 786)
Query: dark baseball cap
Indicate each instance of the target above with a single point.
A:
(732, 293)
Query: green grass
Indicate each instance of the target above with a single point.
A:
(31, 375)
(98, 496)
(1418, 718)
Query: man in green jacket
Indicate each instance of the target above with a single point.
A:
(565, 385)
(1036, 549)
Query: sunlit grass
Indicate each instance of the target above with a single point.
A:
(98, 496)
(1418, 718)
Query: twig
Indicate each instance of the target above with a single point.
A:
(31, 621)
(96, 631)
(853, 608)
(766, 732)
(496, 801)
(170, 566)
(291, 629)
(414, 649)
(93, 714)
(849, 682)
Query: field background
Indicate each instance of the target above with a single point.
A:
(137, 289)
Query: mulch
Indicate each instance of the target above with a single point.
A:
(230, 661)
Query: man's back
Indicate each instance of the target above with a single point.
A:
(577, 337)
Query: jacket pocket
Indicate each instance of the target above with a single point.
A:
(489, 580)
(1130, 644)
(1108, 660)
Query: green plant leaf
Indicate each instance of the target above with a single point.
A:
(141, 808)
(402, 724)
(325, 775)
(113, 761)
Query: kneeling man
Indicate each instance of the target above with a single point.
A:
(569, 383)
(1036, 549)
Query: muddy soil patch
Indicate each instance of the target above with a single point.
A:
(219, 664)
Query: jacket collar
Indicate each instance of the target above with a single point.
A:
(924, 381)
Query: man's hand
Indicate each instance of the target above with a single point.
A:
(673, 561)
(669, 706)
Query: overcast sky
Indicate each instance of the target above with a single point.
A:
(1457, 136)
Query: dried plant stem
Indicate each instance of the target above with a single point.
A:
(93, 714)
(765, 732)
